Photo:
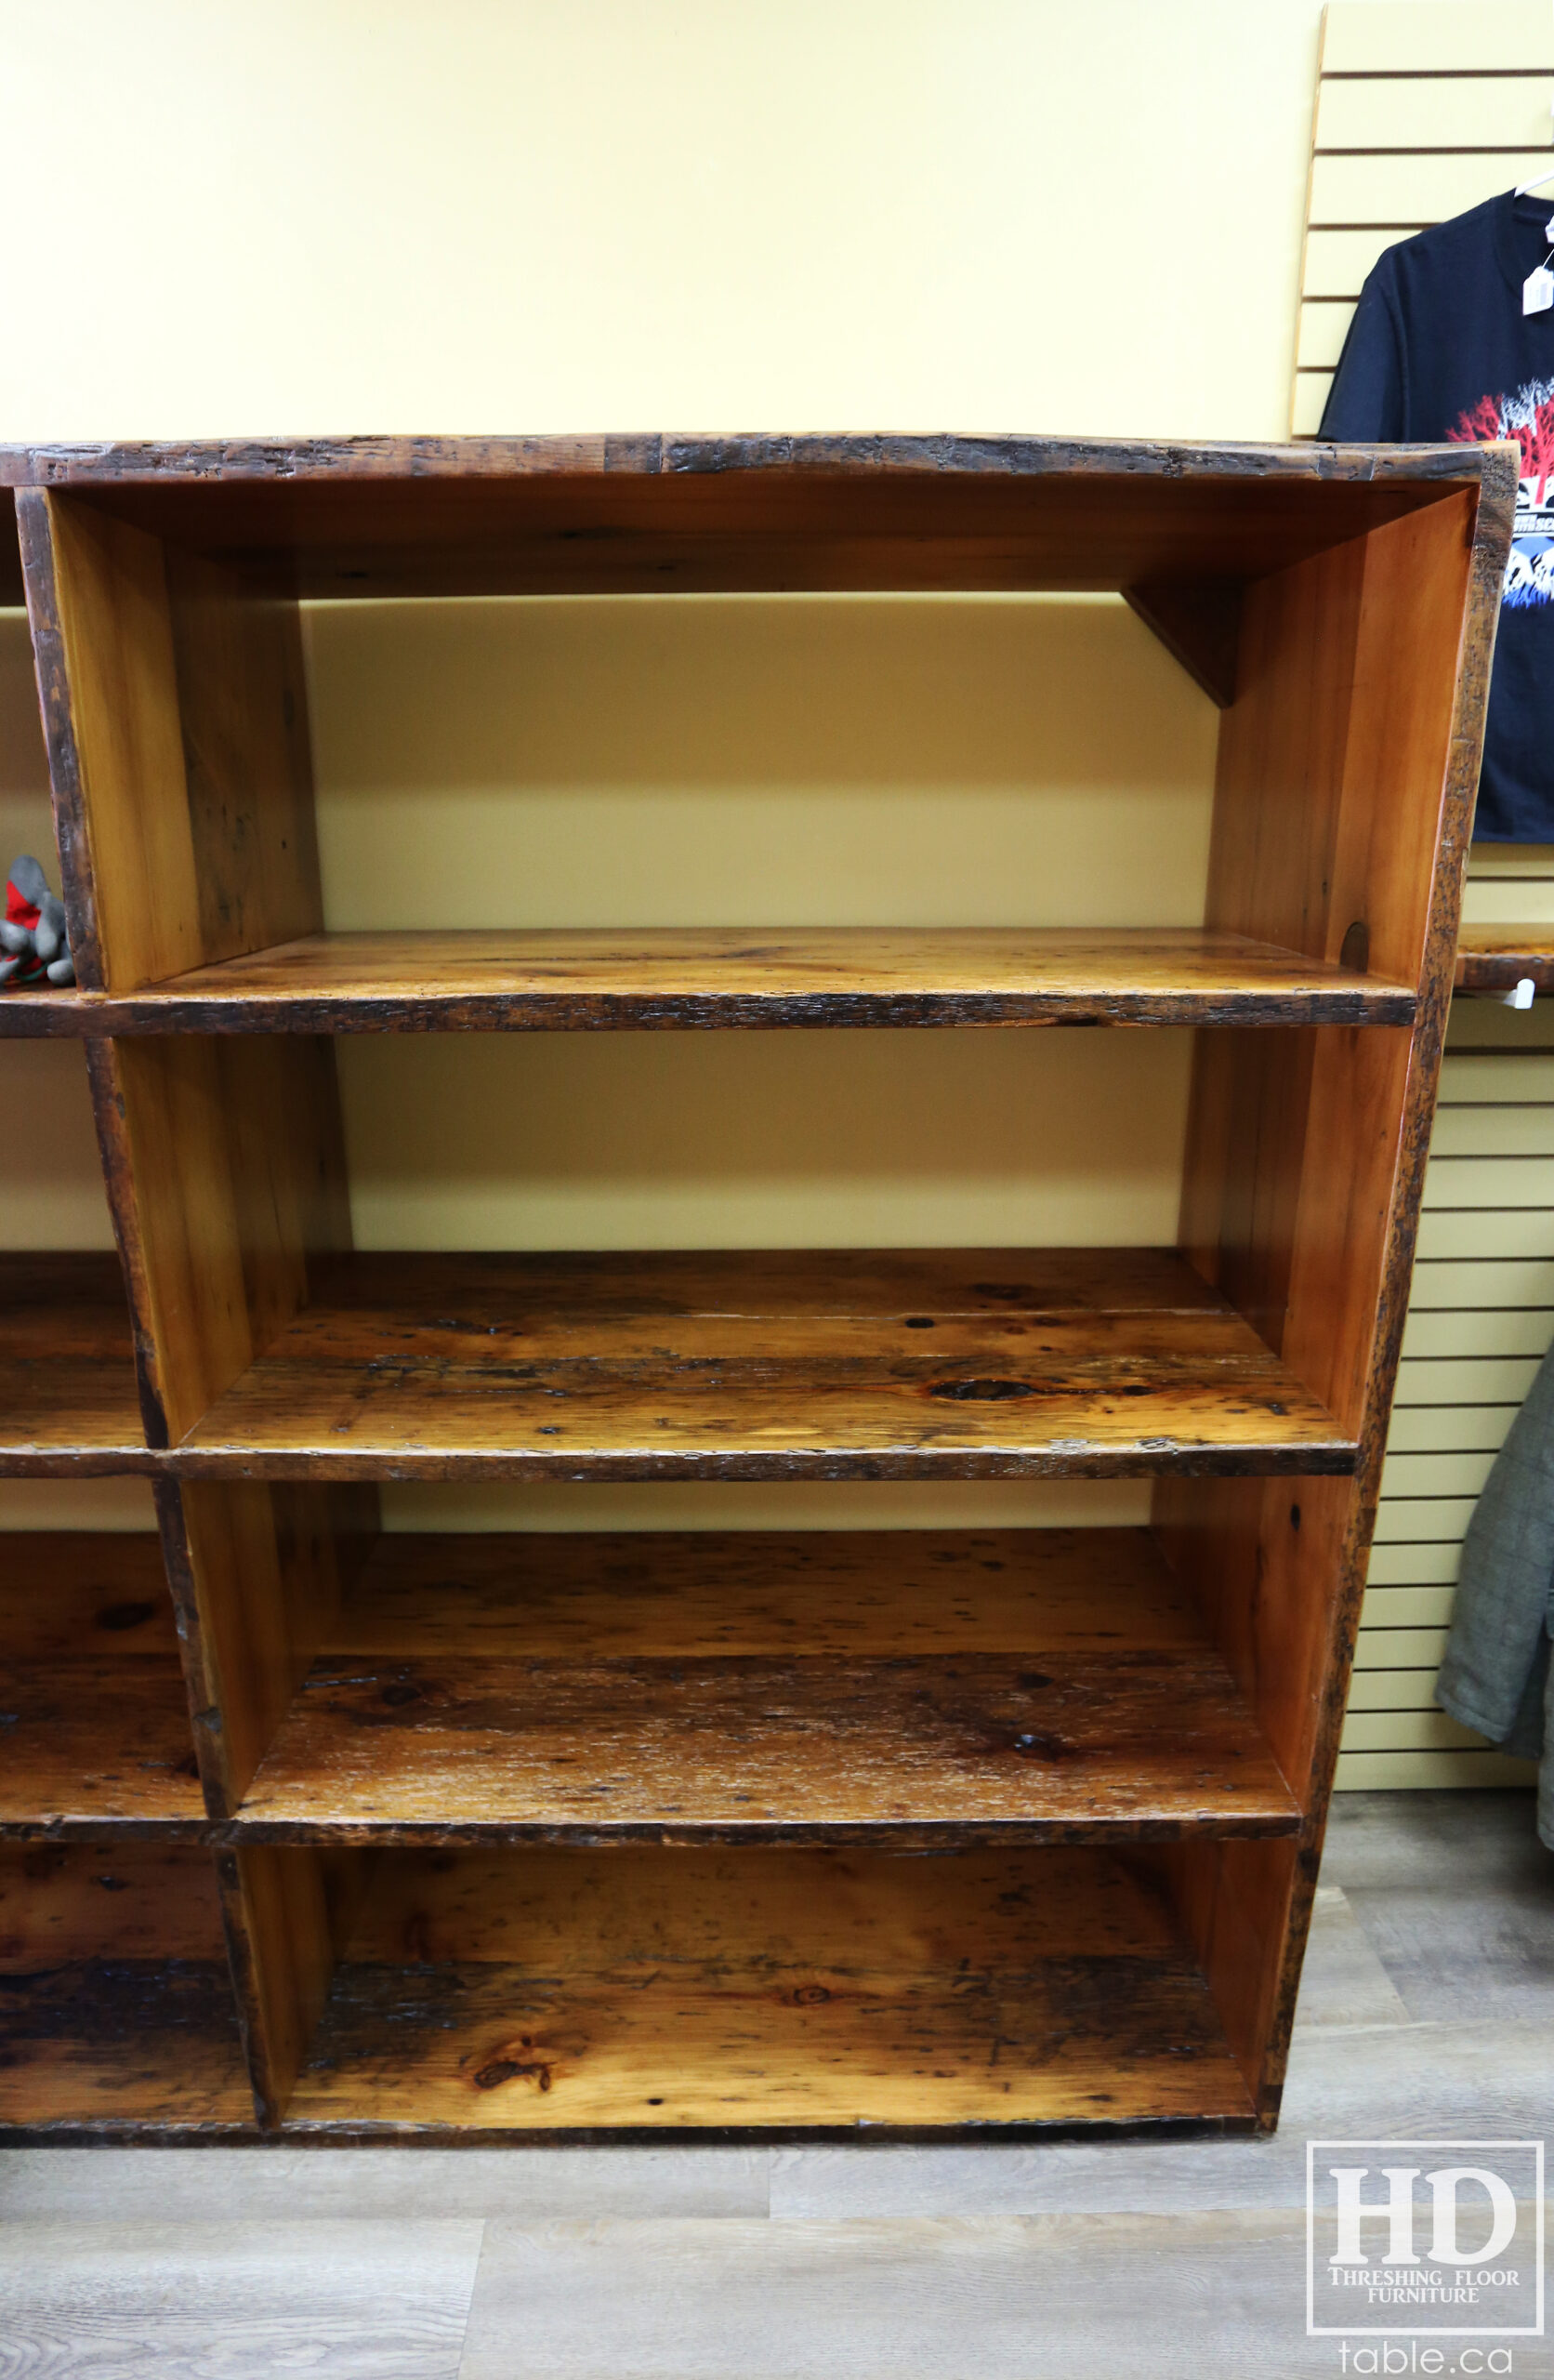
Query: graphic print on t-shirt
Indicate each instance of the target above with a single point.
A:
(1528, 417)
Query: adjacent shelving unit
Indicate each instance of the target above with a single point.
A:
(1495, 959)
(540, 1835)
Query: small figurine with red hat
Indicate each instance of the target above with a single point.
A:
(34, 948)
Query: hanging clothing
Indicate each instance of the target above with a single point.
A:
(1496, 1675)
(1440, 348)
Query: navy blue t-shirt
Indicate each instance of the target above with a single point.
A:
(1441, 348)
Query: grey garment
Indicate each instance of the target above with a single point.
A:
(1496, 1676)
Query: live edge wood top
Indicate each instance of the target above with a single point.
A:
(94, 1721)
(656, 513)
(580, 978)
(989, 1363)
(68, 1399)
(898, 1688)
(565, 1989)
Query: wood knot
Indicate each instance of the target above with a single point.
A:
(120, 1616)
(512, 2069)
(982, 1392)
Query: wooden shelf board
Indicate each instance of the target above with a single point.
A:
(1495, 959)
(97, 1738)
(680, 978)
(116, 2004)
(1018, 1686)
(67, 1397)
(525, 1992)
(852, 1364)
(661, 514)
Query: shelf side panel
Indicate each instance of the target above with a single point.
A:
(176, 709)
(286, 1914)
(226, 1174)
(1342, 812)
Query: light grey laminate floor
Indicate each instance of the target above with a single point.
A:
(1427, 2011)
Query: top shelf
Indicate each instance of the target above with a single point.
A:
(589, 979)
(655, 514)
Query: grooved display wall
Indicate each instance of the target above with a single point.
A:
(810, 1829)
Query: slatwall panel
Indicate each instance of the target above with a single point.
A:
(1423, 109)
(1481, 1316)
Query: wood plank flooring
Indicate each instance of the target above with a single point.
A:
(1104, 2258)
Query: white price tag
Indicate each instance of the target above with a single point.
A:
(1537, 291)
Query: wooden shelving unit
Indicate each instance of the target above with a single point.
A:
(543, 1835)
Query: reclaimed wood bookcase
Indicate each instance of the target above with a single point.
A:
(312, 1827)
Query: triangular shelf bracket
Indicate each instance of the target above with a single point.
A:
(1199, 624)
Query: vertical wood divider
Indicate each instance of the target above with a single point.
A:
(1305, 1150)
(175, 712)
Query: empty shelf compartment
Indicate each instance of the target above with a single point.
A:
(899, 1686)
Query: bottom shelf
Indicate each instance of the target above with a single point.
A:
(562, 1991)
(116, 2007)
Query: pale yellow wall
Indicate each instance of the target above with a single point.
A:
(928, 214)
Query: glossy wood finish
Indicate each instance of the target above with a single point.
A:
(1199, 624)
(1495, 959)
(1339, 605)
(115, 1999)
(175, 708)
(544, 1990)
(1340, 827)
(66, 1369)
(226, 1170)
(1003, 1363)
(683, 978)
(92, 1699)
(661, 514)
(893, 1689)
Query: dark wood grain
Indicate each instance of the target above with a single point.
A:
(96, 1723)
(1495, 959)
(1199, 624)
(657, 513)
(682, 978)
(1341, 825)
(176, 708)
(12, 591)
(545, 1990)
(1019, 1686)
(1346, 598)
(115, 1999)
(843, 1364)
(67, 1375)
